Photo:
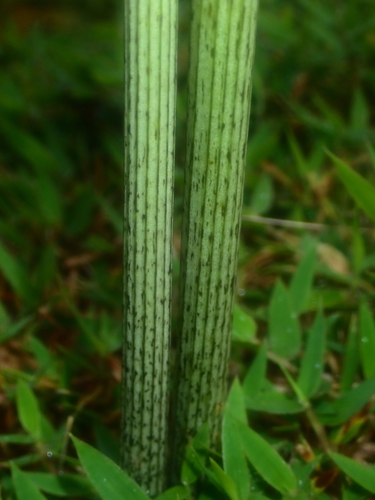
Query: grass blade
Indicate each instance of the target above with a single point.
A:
(108, 479)
(28, 409)
(284, 329)
(302, 279)
(267, 461)
(367, 341)
(312, 362)
(362, 475)
(359, 189)
(24, 487)
(234, 460)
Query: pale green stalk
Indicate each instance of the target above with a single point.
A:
(222, 48)
(150, 87)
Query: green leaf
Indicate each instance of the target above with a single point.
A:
(25, 489)
(108, 479)
(284, 329)
(234, 460)
(256, 374)
(28, 409)
(224, 480)
(301, 163)
(359, 189)
(15, 273)
(351, 358)
(360, 113)
(367, 341)
(175, 493)
(17, 439)
(195, 456)
(267, 461)
(262, 196)
(272, 401)
(244, 327)
(343, 408)
(60, 485)
(312, 362)
(362, 475)
(302, 279)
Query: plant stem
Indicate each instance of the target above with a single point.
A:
(150, 94)
(222, 47)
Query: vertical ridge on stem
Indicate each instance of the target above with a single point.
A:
(222, 48)
(150, 94)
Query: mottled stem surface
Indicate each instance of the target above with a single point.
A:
(222, 47)
(150, 93)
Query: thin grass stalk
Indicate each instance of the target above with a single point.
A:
(150, 94)
(222, 48)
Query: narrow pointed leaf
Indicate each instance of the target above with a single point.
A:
(195, 456)
(25, 489)
(343, 408)
(234, 460)
(302, 279)
(175, 493)
(66, 485)
(284, 329)
(108, 479)
(313, 359)
(267, 461)
(351, 358)
(244, 327)
(28, 409)
(256, 374)
(359, 189)
(362, 475)
(225, 481)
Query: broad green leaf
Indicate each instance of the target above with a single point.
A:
(175, 493)
(310, 374)
(108, 479)
(302, 279)
(256, 374)
(359, 189)
(351, 358)
(65, 485)
(195, 456)
(284, 329)
(267, 461)
(244, 327)
(367, 341)
(25, 489)
(234, 460)
(28, 409)
(224, 480)
(272, 401)
(343, 408)
(362, 475)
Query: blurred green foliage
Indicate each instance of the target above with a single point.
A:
(61, 107)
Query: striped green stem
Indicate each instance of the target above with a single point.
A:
(150, 94)
(222, 48)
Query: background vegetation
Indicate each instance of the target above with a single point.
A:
(61, 107)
